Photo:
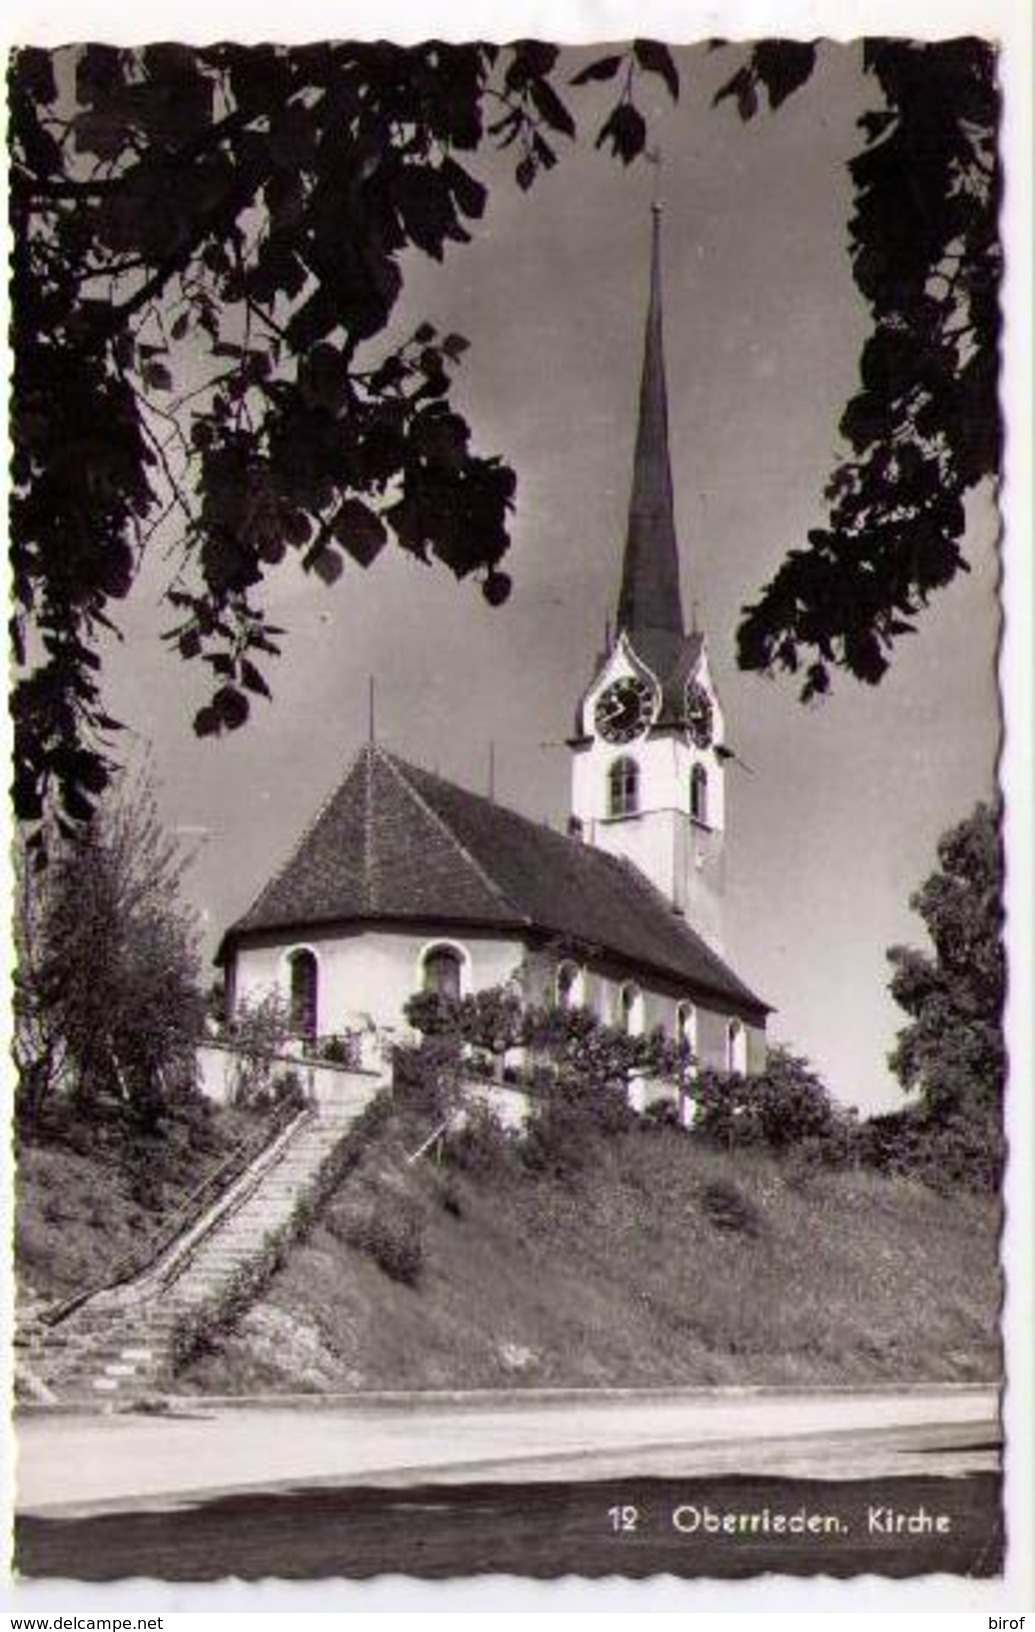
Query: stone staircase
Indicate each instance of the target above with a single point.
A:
(117, 1345)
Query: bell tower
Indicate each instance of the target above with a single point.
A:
(648, 771)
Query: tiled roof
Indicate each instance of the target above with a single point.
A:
(397, 843)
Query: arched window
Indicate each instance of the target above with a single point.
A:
(699, 795)
(568, 986)
(736, 1047)
(623, 787)
(442, 966)
(630, 1009)
(686, 1032)
(304, 983)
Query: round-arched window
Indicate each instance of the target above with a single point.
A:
(304, 973)
(442, 966)
(699, 795)
(686, 1032)
(623, 787)
(568, 986)
(630, 1009)
(736, 1047)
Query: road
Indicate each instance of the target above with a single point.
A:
(82, 1465)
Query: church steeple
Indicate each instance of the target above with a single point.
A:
(650, 594)
(649, 767)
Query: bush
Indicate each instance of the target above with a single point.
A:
(947, 1151)
(260, 1028)
(107, 1000)
(569, 1121)
(727, 1208)
(433, 1014)
(782, 1107)
(287, 1090)
(424, 1078)
(392, 1234)
(339, 1048)
(481, 1145)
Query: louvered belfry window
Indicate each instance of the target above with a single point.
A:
(623, 787)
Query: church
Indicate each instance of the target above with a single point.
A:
(404, 881)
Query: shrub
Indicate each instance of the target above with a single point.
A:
(433, 1014)
(481, 1145)
(781, 1107)
(392, 1234)
(339, 1048)
(261, 1026)
(107, 1001)
(945, 1151)
(287, 1090)
(727, 1207)
(568, 1122)
(448, 1195)
(424, 1078)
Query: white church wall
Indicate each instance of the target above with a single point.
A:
(365, 977)
(665, 764)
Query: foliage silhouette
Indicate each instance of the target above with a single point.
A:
(924, 429)
(205, 243)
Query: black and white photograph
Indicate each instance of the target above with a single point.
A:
(508, 821)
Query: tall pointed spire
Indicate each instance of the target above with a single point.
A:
(650, 595)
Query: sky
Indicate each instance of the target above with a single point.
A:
(838, 819)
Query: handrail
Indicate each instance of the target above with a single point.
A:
(432, 1139)
(147, 1252)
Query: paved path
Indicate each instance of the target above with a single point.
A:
(72, 1464)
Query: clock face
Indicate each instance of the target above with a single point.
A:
(699, 718)
(624, 710)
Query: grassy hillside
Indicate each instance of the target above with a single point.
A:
(90, 1185)
(661, 1261)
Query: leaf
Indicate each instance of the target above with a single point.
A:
(531, 59)
(626, 130)
(232, 707)
(497, 587)
(360, 531)
(656, 58)
(34, 68)
(454, 345)
(551, 107)
(470, 194)
(297, 529)
(207, 722)
(156, 376)
(602, 68)
(181, 325)
(743, 87)
(524, 175)
(441, 437)
(189, 643)
(543, 151)
(783, 65)
(251, 677)
(328, 566)
(425, 334)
